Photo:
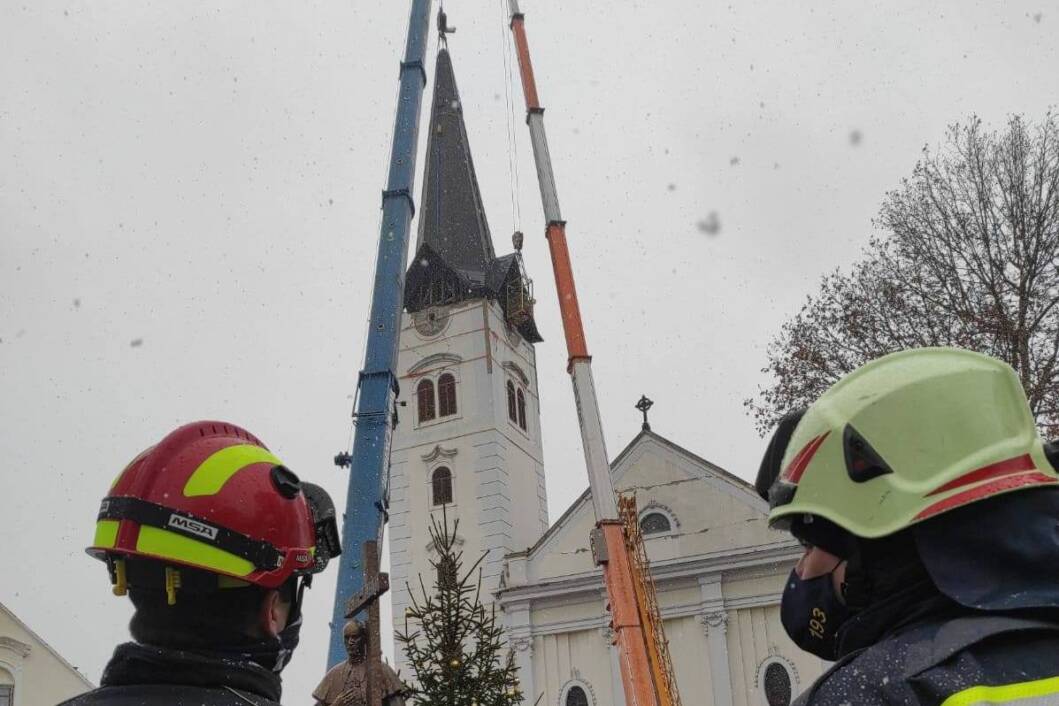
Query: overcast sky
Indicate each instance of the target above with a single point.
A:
(189, 205)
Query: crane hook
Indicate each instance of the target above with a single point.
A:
(443, 25)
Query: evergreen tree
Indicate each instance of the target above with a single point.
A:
(452, 641)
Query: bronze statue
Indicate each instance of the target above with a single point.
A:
(346, 684)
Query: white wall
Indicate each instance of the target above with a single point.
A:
(499, 496)
(39, 675)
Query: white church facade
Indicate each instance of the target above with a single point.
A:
(719, 573)
(469, 444)
(32, 673)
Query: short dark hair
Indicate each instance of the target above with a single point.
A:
(224, 616)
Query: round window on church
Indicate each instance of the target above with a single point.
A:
(655, 523)
(777, 685)
(576, 696)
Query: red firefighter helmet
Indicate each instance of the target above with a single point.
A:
(211, 496)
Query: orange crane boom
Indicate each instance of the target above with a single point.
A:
(647, 603)
(630, 598)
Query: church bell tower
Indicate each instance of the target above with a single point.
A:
(469, 438)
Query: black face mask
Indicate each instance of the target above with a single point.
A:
(274, 653)
(812, 613)
(288, 640)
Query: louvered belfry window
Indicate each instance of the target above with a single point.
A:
(512, 412)
(521, 409)
(425, 399)
(446, 395)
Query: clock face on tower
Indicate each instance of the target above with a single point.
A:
(431, 321)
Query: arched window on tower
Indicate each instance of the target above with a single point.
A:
(425, 400)
(521, 409)
(441, 486)
(576, 696)
(446, 395)
(512, 412)
(655, 523)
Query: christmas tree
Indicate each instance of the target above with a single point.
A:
(452, 641)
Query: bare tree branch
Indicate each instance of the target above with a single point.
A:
(968, 257)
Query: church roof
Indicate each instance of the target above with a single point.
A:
(740, 486)
(454, 259)
(40, 641)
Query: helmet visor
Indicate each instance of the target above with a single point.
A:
(328, 543)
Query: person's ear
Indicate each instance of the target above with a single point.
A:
(273, 614)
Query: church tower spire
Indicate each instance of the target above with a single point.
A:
(455, 260)
(469, 439)
(452, 218)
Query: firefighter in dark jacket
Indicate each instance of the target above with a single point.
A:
(929, 510)
(214, 540)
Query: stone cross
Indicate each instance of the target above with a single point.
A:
(644, 405)
(376, 584)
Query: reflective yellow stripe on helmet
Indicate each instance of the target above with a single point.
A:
(106, 534)
(1027, 693)
(170, 545)
(214, 472)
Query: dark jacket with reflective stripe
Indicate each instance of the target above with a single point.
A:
(168, 694)
(966, 661)
(142, 675)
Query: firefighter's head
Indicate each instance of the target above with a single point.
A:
(898, 444)
(214, 539)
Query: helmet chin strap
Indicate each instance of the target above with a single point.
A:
(303, 582)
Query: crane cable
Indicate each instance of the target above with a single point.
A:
(512, 130)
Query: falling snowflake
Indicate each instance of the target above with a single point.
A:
(855, 137)
(671, 187)
(136, 343)
(710, 225)
(734, 161)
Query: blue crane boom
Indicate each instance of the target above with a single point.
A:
(366, 499)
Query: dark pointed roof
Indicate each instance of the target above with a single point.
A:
(454, 259)
(451, 216)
